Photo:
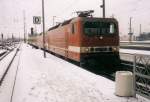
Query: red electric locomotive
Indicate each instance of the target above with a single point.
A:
(86, 40)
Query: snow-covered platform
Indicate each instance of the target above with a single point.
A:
(52, 79)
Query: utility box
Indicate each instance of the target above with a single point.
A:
(124, 83)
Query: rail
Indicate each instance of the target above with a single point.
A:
(5, 54)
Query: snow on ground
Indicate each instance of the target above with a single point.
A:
(140, 52)
(52, 79)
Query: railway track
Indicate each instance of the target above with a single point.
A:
(7, 64)
(126, 65)
(109, 71)
(8, 74)
(3, 55)
(7, 50)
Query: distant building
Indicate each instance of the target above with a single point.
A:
(126, 38)
(144, 36)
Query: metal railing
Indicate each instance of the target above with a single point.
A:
(141, 73)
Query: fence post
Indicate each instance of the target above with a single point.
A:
(134, 74)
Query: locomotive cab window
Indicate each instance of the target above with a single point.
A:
(112, 28)
(72, 29)
(99, 28)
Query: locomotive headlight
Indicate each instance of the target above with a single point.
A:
(115, 49)
(85, 49)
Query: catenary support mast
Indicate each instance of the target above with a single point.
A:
(43, 27)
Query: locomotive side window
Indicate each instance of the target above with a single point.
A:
(99, 28)
(73, 29)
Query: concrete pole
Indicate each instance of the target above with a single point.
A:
(2, 36)
(54, 20)
(130, 25)
(140, 29)
(130, 30)
(103, 8)
(43, 28)
(24, 18)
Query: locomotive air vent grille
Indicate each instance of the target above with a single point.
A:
(102, 49)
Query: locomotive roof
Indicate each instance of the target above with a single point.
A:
(81, 18)
(60, 24)
(97, 18)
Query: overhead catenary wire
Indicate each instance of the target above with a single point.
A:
(68, 8)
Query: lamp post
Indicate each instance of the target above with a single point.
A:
(43, 27)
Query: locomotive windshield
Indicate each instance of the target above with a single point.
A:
(99, 28)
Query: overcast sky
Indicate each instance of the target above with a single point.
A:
(11, 13)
